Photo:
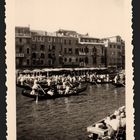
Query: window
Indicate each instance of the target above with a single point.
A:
(42, 47)
(69, 59)
(28, 51)
(70, 50)
(94, 50)
(102, 60)
(42, 55)
(86, 60)
(76, 51)
(20, 40)
(65, 59)
(50, 47)
(76, 42)
(34, 38)
(65, 50)
(102, 50)
(53, 47)
(110, 46)
(28, 40)
(60, 60)
(65, 41)
(119, 47)
(20, 49)
(38, 38)
(80, 60)
(94, 59)
(34, 46)
(76, 59)
(69, 42)
(28, 61)
(53, 39)
(49, 39)
(49, 55)
(42, 38)
(33, 62)
(86, 50)
(57, 40)
(41, 62)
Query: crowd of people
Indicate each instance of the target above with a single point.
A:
(114, 124)
(88, 77)
(119, 78)
(61, 83)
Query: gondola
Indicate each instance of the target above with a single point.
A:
(44, 95)
(102, 82)
(118, 84)
(25, 86)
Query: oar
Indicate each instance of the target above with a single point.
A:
(42, 89)
(36, 98)
(96, 83)
(28, 85)
(123, 84)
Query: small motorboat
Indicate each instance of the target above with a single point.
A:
(99, 130)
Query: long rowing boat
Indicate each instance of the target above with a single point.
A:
(45, 95)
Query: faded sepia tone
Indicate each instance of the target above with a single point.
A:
(94, 18)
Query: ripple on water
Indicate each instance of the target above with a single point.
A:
(66, 118)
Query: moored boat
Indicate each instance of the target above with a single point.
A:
(102, 130)
(118, 84)
(24, 86)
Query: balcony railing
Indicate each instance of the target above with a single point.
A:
(19, 54)
(22, 35)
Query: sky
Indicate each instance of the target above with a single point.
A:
(98, 18)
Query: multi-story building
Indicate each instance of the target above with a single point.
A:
(23, 46)
(64, 48)
(115, 51)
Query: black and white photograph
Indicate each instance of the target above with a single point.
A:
(70, 70)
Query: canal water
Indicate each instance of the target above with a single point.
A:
(66, 118)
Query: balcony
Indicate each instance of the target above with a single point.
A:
(82, 53)
(20, 55)
(27, 35)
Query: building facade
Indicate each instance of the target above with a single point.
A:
(115, 52)
(65, 48)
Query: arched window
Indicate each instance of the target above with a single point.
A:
(28, 50)
(42, 55)
(94, 50)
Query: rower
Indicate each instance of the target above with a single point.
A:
(34, 88)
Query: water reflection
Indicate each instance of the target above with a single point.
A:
(67, 104)
(66, 118)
